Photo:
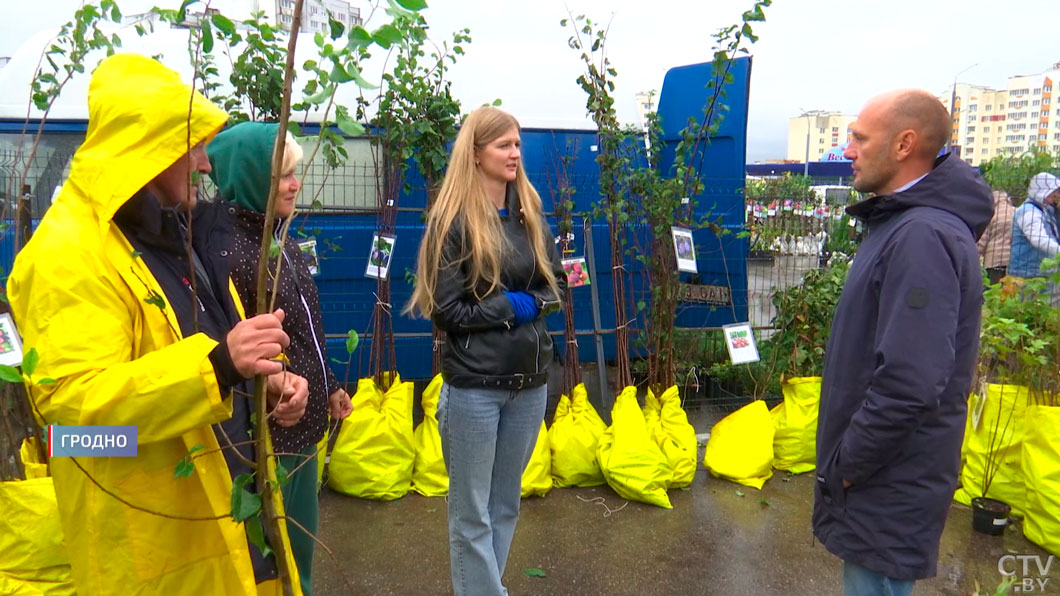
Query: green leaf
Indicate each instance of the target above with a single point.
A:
(207, 36)
(338, 74)
(764, 501)
(412, 4)
(223, 24)
(496, 102)
(359, 37)
(294, 128)
(30, 360)
(245, 504)
(256, 535)
(346, 124)
(10, 374)
(352, 339)
(362, 82)
(282, 476)
(739, 493)
(319, 98)
(337, 28)
(387, 35)
(534, 572)
(184, 469)
(274, 248)
(46, 381)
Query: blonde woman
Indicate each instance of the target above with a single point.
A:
(488, 271)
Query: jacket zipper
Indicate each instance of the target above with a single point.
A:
(533, 324)
(309, 316)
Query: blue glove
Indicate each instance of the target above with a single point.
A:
(524, 305)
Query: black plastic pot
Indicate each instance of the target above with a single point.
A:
(990, 516)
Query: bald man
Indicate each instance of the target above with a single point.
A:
(902, 350)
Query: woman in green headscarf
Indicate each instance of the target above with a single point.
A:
(241, 158)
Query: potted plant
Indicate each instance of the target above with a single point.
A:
(1016, 364)
(1040, 453)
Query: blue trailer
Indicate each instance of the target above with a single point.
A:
(343, 236)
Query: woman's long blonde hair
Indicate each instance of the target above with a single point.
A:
(463, 196)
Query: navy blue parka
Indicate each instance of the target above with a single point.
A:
(897, 373)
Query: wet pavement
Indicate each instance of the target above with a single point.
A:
(720, 538)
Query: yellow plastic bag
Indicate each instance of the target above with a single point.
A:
(573, 439)
(1041, 467)
(373, 453)
(537, 477)
(795, 425)
(31, 462)
(631, 462)
(1003, 410)
(33, 555)
(429, 477)
(669, 428)
(740, 447)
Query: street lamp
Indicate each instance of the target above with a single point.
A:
(806, 160)
(953, 102)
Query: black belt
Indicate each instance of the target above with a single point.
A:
(516, 382)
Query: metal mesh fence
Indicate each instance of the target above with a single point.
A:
(786, 236)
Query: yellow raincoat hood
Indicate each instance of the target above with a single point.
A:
(98, 318)
(133, 136)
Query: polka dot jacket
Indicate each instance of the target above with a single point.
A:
(302, 321)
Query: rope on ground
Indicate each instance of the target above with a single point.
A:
(603, 503)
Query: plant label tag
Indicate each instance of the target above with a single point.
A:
(740, 341)
(10, 342)
(577, 272)
(308, 247)
(684, 249)
(379, 256)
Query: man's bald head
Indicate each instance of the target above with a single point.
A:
(895, 139)
(920, 111)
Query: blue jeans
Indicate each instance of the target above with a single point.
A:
(858, 581)
(488, 436)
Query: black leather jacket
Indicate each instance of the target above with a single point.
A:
(483, 345)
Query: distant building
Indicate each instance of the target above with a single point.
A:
(647, 101)
(821, 130)
(314, 13)
(989, 122)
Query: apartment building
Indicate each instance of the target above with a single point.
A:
(816, 133)
(989, 122)
(314, 13)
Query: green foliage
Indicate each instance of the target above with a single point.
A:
(282, 475)
(1012, 173)
(1003, 589)
(352, 339)
(804, 320)
(534, 572)
(1019, 340)
(245, 504)
(768, 190)
(67, 53)
(186, 467)
(416, 115)
(634, 190)
(10, 374)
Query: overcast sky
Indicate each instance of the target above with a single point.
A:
(812, 55)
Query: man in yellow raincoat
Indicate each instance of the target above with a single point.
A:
(137, 329)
